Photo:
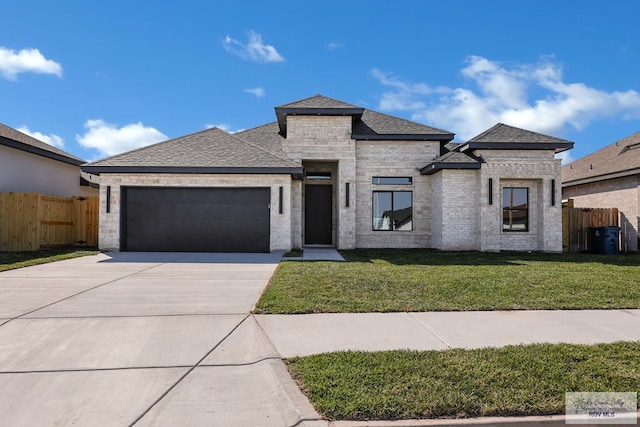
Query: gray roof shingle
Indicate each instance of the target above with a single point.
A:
(503, 136)
(374, 123)
(318, 101)
(621, 157)
(266, 137)
(211, 148)
(16, 139)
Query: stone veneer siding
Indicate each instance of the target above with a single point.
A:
(621, 193)
(328, 139)
(281, 224)
(394, 159)
(534, 169)
(459, 224)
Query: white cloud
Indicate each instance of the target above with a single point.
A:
(334, 46)
(254, 50)
(51, 139)
(13, 63)
(531, 96)
(257, 91)
(224, 126)
(565, 156)
(110, 139)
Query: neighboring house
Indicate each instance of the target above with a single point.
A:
(609, 178)
(30, 165)
(335, 174)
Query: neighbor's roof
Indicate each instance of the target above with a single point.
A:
(18, 140)
(208, 151)
(619, 159)
(502, 136)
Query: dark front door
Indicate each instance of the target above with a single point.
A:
(175, 219)
(318, 214)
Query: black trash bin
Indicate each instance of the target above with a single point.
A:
(605, 240)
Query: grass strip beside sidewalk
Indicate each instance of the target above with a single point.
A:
(510, 381)
(388, 280)
(13, 260)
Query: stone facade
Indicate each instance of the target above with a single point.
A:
(531, 169)
(394, 159)
(280, 224)
(621, 193)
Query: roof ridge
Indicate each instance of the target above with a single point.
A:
(491, 129)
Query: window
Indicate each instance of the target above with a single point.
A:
(392, 180)
(392, 210)
(515, 209)
(318, 175)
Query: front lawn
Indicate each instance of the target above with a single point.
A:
(509, 381)
(427, 280)
(11, 260)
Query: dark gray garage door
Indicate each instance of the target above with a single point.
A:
(170, 219)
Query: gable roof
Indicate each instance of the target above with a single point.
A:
(15, 139)
(208, 151)
(622, 158)
(502, 136)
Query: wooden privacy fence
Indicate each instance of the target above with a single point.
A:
(577, 221)
(32, 221)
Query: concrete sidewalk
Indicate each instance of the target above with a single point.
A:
(441, 330)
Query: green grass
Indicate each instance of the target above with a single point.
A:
(427, 280)
(509, 381)
(12, 260)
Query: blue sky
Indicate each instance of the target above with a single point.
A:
(98, 78)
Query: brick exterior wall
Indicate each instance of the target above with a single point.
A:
(327, 139)
(394, 159)
(281, 224)
(459, 225)
(621, 193)
(524, 168)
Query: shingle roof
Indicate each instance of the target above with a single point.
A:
(505, 134)
(318, 101)
(621, 157)
(374, 123)
(16, 139)
(266, 137)
(451, 160)
(211, 148)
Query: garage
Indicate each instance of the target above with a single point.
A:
(187, 219)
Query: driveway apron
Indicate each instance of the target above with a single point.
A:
(142, 339)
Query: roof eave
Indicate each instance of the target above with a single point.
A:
(603, 177)
(432, 168)
(283, 112)
(39, 151)
(558, 147)
(403, 137)
(97, 170)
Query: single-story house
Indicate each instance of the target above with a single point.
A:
(30, 165)
(329, 173)
(609, 178)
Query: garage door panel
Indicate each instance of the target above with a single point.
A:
(196, 219)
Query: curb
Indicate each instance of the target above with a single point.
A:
(534, 421)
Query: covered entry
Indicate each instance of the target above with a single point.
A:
(187, 219)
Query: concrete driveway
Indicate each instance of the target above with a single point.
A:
(142, 339)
